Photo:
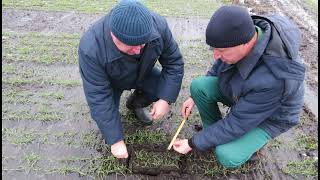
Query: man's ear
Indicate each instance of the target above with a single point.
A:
(246, 45)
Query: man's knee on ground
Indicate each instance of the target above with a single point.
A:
(228, 158)
(198, 85)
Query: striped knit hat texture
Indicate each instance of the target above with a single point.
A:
(131, 22)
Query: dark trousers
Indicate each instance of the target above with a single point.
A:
(149, 88)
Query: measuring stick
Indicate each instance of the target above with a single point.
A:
(175, 136)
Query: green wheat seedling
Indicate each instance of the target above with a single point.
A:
(12, 96)
(40, 47)
(103, 166)
(17, 80)
(31, 161)
(18, 136)
(90, 139)
(307, 142)
(66, 169)
(156, 159)
(69, 138)
(53, 95)
(27, 115)
(179, 8)
(306, 167)
(145, 137)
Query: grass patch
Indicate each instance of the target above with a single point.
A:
(49, 49)
(13, 96)
(69, 138)
(195, 52)
(307, 142)
(145, 137)
(44, 138)
(4, 169)
(63, 5)
(22, 136)
(274, 143)
(103, 166)
(155, 159)
(89, 139)
(18, 80)
(194, 118)
(45, 114)
(182, 8)
(53, 95)
(128, 117)
(26, 115)
(67, 169)
(313, 4)
(31, 161)
(48, 116)
(84, 166)
(178, 8)
(207, 164)
(73, 159)
(35, 74)
(306, 167)
(8, 68)
(44, 108)
(89, 166)
(18, 136)
(40, 47)
(66, 82)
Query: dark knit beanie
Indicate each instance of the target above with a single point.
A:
(229, 26)
(131, 22)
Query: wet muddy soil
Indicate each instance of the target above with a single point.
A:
(186, 28)
(144, 159)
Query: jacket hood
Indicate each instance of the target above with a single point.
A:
(285, 36)
(282, 52)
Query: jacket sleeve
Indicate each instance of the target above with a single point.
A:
(99, 95)
(172, 68)
(246, 114)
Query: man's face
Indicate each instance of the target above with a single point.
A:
(131, 50)
(230, 55)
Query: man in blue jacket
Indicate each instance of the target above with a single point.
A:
(258, 73)
(119, 53)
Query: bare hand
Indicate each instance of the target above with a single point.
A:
(187, 107)
(119, 149)
(159, 109)
(181, 146)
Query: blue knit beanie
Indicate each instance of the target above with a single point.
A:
(229, 26)
(131, 22)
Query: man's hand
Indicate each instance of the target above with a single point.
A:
(159, 109)
(181, 146)
(119, 149)
(187, 107)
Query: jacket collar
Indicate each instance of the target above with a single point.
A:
(246, 65)
(113, 52)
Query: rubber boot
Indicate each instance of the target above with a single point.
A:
(137, 102)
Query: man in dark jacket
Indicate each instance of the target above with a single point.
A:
(119, 53)
(258, 73)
